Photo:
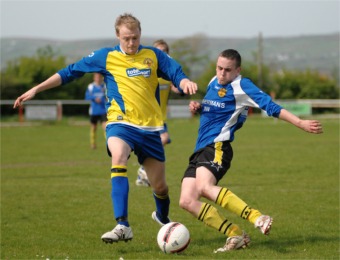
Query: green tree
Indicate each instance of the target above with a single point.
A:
(250, 70)
(22, 74)
(25, 72)
(192, 54)
(305, 85)
(204, 79)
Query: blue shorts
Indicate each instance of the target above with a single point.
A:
(145, 144)
(165, 130)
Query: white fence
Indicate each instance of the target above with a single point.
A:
(52, 109)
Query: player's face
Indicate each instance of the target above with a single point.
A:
(98, 78)
(129, 39)
(226, 70)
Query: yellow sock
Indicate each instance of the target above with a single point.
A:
(92, 137)
(212, 218)
(254, 214)
(231, 202)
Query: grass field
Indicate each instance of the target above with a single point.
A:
(55, 193)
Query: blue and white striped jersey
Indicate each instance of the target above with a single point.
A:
(225, 108)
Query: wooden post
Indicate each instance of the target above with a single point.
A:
(59, 110)
(21, 114)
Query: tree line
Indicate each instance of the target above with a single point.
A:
(25, 72)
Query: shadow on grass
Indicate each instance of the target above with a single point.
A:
(282, 245)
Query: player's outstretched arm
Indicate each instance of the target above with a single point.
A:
(310, 126)
(51, 82)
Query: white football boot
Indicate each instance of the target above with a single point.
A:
(155, 217)
(142, 178)
(235, 242)
(264, 223)
(119, 233)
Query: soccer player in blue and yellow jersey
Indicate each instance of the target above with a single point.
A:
(95, 92)
(223, 111)
(165, 87)
(131, 73)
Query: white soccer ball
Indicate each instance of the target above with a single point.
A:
(173, 237)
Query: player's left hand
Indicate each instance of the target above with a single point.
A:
(189, 87)
(194, 107)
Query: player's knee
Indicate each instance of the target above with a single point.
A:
(203, 190)
(160, 188)
(186, 203)
(183, 203)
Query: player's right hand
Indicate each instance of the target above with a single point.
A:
(24, 97)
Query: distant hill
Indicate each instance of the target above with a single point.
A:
(319, 52)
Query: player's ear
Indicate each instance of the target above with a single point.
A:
(117, 32)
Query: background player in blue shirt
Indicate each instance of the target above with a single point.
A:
(131, 73)
(95, 92)
(222, 112)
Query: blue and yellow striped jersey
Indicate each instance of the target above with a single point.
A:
(133, 92)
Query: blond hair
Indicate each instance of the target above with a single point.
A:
(128, 20)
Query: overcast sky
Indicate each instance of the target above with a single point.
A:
(91, 19)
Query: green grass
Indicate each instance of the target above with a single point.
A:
(55, 193)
